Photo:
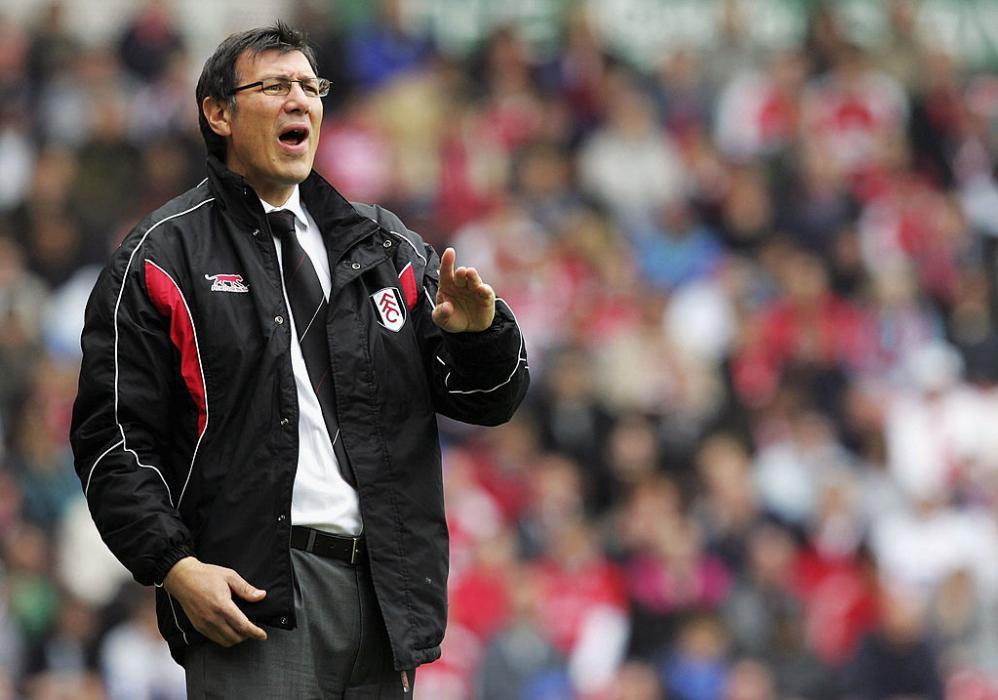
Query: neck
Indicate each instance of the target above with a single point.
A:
(274, 196)
(272, 192)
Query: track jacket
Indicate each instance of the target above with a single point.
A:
(185, 427)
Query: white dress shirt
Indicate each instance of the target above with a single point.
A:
(321, 498)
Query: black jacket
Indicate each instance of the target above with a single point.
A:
(184, 429)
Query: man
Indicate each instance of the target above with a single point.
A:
(284, 495)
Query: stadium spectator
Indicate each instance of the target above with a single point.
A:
(385, 49)
(896, 659)
(150, 40)
(630, 141)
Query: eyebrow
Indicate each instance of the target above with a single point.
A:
(288, 77)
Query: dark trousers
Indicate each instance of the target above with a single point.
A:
(339, 649)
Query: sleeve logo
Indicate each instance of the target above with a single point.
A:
(227, 283)
(390, 308)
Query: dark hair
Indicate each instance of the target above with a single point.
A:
(218, 77)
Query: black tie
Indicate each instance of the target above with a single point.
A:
(308, 306)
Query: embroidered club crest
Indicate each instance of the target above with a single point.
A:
(390, 307)
(227, 283)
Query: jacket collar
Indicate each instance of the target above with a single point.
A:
(340, 224)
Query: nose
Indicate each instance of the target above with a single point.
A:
(297, 100)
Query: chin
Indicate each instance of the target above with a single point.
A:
(296, 175)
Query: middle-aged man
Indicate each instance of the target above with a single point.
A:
(255, 429)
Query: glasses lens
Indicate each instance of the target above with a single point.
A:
(277, 87)
(281, 87)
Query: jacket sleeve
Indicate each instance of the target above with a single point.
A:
(121, 420)
(478, 378)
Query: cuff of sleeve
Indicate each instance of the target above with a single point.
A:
(487, 346)
(167, 562)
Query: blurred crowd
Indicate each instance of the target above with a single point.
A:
(759, 458)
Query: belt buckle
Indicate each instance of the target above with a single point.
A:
(353, 550)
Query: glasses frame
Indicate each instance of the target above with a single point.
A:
(323, 86)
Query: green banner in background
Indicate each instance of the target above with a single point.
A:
(645, 31)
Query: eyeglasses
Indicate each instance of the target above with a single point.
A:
(281, 87)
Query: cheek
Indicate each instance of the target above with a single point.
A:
(252, 138)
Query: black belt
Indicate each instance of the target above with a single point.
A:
(324, 544)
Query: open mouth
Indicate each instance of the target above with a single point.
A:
(293, 136)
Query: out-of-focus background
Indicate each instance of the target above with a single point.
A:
(753, 248)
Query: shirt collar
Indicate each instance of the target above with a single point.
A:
(293, 205)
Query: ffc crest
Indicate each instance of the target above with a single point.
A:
(390, 307)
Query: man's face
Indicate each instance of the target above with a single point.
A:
(272, 139)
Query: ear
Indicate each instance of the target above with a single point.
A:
(219, 115)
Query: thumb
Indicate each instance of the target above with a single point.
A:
(442, 312)
(239, 586)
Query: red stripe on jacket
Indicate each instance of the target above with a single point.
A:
(169, 301)
(408, 279)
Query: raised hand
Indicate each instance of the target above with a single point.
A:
(464, 302)
(205, 592)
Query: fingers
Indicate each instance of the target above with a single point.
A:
(229, 633)
(463, 301)
(234, 616)
(452, 277)
(228, 625)
(473, 279)
(485, 291)
(447, 267)
(220, 631)
(241, 588)
(205, 591)
(237, 621)
(468, 278)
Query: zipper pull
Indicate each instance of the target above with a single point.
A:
(405, 682)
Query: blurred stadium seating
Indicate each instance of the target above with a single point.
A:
(754, 249)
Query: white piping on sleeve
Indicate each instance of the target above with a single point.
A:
(117, 304)
(175, 620)
(204, 384)
(93, 467)
(519, 358)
